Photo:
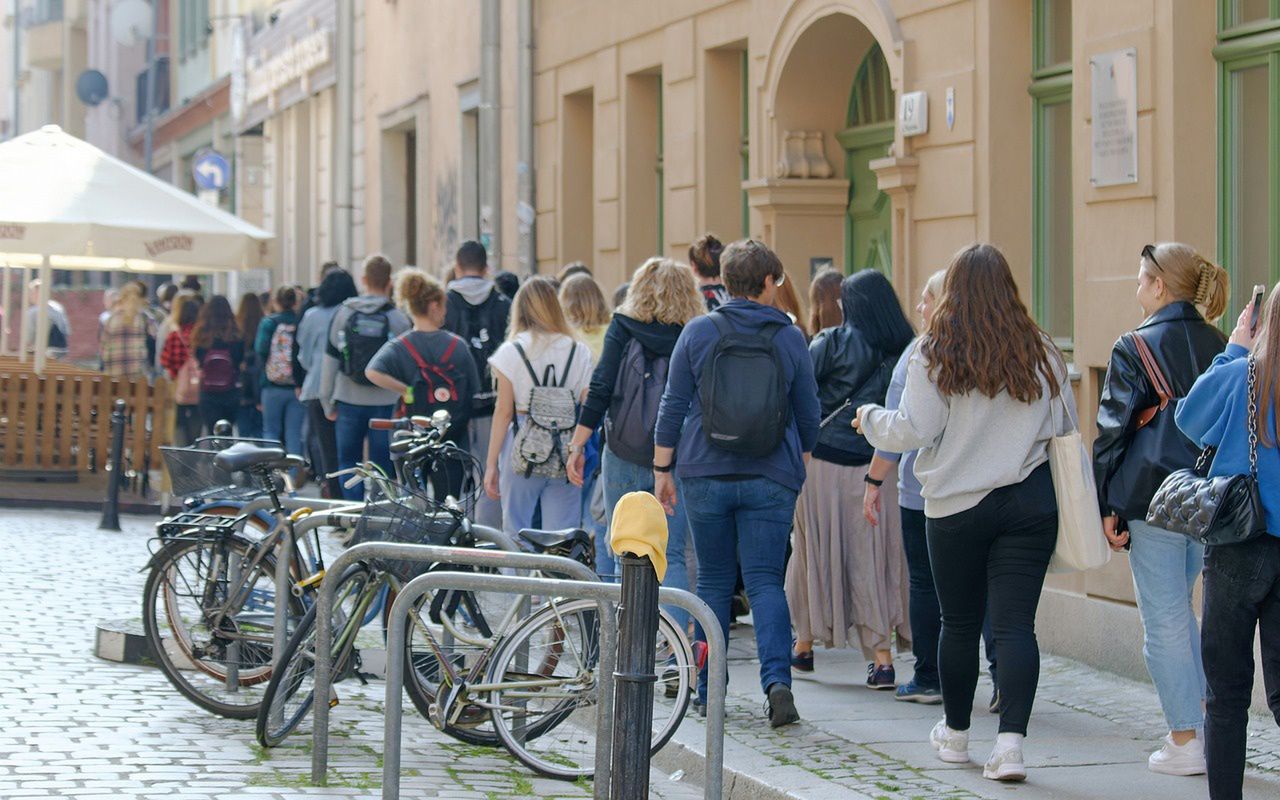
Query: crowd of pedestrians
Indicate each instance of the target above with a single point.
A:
(853, 481)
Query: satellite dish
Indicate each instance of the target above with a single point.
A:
(130, 22)
(91, 87)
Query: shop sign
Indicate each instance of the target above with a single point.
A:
(295, 62)
(1114, 107)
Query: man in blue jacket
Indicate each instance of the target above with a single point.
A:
(740, 507)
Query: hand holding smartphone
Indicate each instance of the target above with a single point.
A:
(1255, 308)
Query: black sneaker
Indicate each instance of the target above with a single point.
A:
(802, 662)
(994, 705)
(781, 706)
(881, 678)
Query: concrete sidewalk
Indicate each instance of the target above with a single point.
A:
(1090, 735)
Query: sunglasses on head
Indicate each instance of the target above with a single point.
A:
(781, 279)
(1149, 253)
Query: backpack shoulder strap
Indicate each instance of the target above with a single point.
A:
(721, 323)
(573, 349)
(778, 327)
(527, 365)
(1152, 368)
(413, 351)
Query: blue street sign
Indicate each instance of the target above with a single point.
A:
(210, 170)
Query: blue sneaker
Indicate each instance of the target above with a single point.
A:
(911, 692)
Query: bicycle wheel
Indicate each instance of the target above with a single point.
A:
(546, 688)
(218, 657)
(291, 691)
(432, 617)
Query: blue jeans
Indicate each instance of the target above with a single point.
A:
(621, 477)
(351, 429)
(282, 415)
(1165, 567)
(249, 421)
(561, 501)
(748, 523)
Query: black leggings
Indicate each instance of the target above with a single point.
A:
(997, 550)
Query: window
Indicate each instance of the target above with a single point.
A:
(470, 163)
(643, 174)
(1053, 281)
(1249, 144)
(577, 196)
(193, 22)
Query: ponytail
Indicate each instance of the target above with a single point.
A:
(1212, 290)
(418, 291)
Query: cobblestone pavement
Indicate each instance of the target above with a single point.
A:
(72, 725)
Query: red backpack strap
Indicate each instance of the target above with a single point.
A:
(413, 352)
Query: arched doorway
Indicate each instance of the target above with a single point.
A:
(869, 135)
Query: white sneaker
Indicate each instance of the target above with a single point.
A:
(1005, 765)
(952, 746)
(1174, 759)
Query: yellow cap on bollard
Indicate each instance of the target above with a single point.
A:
(640, 527)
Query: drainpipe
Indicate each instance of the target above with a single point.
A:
(344, 113)
(148, 149)
(491, 128)
(525, 209)
(17, 73)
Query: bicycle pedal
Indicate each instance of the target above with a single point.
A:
(333, 697)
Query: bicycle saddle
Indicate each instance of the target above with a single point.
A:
(543, 540)
(244, 456)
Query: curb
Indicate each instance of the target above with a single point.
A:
(122, 641)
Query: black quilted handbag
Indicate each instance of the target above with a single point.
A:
(1214, 511)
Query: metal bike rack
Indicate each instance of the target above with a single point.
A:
(605, 593)
(469, 556)
(342, 516)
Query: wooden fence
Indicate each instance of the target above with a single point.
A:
(59, 424)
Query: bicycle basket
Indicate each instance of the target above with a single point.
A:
(192, 471)
(406, 517)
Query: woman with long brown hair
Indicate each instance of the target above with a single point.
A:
(177, 361)
(986, 391)
(249, 316)
(219, 351)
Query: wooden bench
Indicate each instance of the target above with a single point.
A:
(58, 426)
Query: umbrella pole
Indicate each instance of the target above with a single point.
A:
(42, 316)
(23, 333)
(6, 313)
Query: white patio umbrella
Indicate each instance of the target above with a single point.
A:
(65, 204)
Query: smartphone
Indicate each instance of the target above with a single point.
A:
(1255, 308)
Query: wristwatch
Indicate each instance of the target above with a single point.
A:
(872, 480)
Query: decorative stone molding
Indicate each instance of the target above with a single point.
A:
(895, 174)
(803, 156)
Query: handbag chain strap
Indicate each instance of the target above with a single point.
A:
(1253, 417)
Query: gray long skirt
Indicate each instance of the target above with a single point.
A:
(847, 579)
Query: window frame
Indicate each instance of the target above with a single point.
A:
(1051, 85)
(1240, 48)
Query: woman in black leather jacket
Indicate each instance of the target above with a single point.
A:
(847, 579)
(1132, 457)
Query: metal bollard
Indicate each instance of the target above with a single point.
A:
(222, 428)
(634, 679)
(115, 462)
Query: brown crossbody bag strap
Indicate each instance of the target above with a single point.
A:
(1158, 382)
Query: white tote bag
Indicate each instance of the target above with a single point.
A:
(1081, 543)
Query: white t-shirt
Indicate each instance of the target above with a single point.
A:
(547, 354)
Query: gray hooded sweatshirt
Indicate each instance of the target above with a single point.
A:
(335, 386)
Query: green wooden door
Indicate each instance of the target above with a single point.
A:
(868, 236)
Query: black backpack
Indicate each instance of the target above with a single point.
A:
(436, 386)
(57, 337)
(745, 408)
(633, 412)
(364, 334)
(483, 328)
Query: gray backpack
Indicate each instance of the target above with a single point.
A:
(539, 447)
(633, 412)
